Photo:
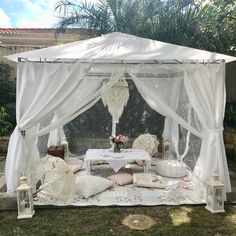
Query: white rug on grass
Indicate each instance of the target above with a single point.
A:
(177, 192)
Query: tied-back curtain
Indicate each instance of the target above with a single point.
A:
(41, 89)
(88, 93)
(56, 135)
(171, 127)
(150, 93)
(82, 99)
(205, 86)
(44, 89)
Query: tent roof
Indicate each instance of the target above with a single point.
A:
(120, 47)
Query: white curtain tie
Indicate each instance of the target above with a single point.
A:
(17, 129)
(215, 131)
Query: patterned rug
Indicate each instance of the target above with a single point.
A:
(176, 192)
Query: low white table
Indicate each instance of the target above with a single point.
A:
(117, 160)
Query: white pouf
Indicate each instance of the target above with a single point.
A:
(171, 168)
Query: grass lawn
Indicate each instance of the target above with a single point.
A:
(170, 220)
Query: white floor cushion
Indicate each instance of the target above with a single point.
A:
(89, 185)
(121, 178)
(147, 180)
(171, 168)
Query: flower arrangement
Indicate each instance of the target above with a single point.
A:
(118, 142)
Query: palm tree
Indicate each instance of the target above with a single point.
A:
(200, 24)
(103, 17)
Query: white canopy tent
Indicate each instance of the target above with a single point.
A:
(185, 85)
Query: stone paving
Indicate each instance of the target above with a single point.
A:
(2, 178)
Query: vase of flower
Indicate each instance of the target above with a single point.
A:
(117, 142)
(117, 148)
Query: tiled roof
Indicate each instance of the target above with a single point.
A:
(33, 31)
(25, 31)
(41, 36)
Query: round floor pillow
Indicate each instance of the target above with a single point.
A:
(171, 168)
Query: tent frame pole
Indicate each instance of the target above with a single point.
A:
(115, 62)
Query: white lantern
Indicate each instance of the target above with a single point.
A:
(215, 195)
(65, 144)
(24, 199)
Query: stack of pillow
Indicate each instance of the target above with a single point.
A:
(88, 185)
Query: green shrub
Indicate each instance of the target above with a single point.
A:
(5, 126)
(7, 99)
(230, 114)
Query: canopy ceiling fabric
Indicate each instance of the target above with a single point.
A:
(65, 89)
(121, 47)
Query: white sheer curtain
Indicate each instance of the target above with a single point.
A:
(205, 86)
(41, 89)
(155, 93)
(63, 88)
(81, 100)
(171, 127)
(56, 135)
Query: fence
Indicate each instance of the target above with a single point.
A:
(231, 82)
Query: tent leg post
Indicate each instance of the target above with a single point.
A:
(113, 129)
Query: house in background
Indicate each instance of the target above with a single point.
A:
(14, 40)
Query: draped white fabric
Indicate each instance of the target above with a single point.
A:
(66, 90)
(205, 86)
(171, 127)
(120, 46)
(55, 135)
(43, 88)
(155, 93)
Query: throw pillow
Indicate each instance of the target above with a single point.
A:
(75, 167)
(75, 164)
(121, 178)
(89, 185)
(147, 181)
